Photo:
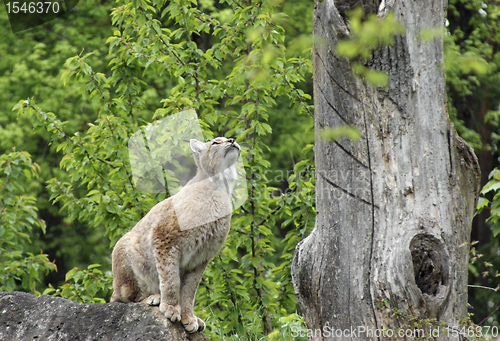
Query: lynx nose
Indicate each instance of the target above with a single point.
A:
(231, 140)
(234, 143)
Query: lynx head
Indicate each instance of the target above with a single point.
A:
(216, 157)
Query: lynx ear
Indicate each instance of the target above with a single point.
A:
(196, 146)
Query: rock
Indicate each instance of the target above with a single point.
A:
(24, 317)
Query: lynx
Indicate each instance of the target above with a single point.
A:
(162, 259)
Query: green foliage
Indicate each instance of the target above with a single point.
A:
(231, 66)
(468, 62)
(98, 167)
(85, 286)
(367, 34)
(472, 68)
(18, 218)
(492, 186)
(462, 68)
(32, 64)
(485, 266)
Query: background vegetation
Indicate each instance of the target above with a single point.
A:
(83, 85)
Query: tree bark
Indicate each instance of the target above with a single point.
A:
(389, 247)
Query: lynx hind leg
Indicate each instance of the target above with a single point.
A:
(125, 288)
(124, 293)
(152, 299)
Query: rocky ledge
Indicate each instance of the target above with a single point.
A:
(24, 317)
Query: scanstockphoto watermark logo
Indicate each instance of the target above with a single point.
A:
(348, 183)
(162, 162)
(24, 15)
(363, 332)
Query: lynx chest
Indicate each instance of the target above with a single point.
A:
(202, 243)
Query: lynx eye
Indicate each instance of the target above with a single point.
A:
(215, 142)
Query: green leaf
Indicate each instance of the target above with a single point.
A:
(70, 274)
(482, 202)
(334, 134)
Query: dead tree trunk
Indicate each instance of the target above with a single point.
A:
(389, 247)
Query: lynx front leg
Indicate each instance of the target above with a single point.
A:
(190, 283)
(167, 265)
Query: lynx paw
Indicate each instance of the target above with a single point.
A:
(192, 323)
(172, 312)
(201, 324)
(152, 300)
